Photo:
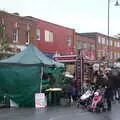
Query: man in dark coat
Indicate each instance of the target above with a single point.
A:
(100, 81)
(108, 91)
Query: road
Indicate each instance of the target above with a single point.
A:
(58, 113)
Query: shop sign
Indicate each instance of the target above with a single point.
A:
(40, 100)
(96, 67)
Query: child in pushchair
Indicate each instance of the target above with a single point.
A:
(98, 102)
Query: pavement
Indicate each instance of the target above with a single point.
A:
(58, 113)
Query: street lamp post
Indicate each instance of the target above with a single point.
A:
(108, 29)
(116, 4)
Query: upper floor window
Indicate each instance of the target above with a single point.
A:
(85, 45)
(79, 44)
(118, 44)
(69, 41)
(48, 36)
(99, 54)
(103, 40)
(15, 32)
(27, 37)
(118, 55)
(15, 35)
(2, 26)
(37, 34)
(111, 42)
(28, 34)
(2, 21)
(106, 41)
(115, 55)
(99, 39)
(92, 47)
(111, 55)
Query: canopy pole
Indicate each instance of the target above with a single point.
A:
(41, 77)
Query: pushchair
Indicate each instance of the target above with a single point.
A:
(85, 98)
(98, 102)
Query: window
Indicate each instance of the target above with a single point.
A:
(27, 37)
(103, 53)
(118, 54)
(111, 43)
(69, 41)
(115, 55)
(85, 45)
(99, 54)
(92, 47)
(111, 55)
(48, 36)
(28, 34)
(118, 44)
(37, 34)
(103, 40)
(3, 21)
(79, 44)
(15, 35)
(106, 41)
(99, 39)
(115, 44)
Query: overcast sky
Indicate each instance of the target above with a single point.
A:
(81, 15)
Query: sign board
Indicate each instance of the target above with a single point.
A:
(40, 100)
(96, 67)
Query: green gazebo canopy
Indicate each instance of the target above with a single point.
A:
(20, 75)
(29, 56)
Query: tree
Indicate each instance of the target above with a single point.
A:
(4, 42)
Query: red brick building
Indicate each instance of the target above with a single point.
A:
(103, 47)
(53, 38)
(87, 45)
(20, 30)
(48, 37)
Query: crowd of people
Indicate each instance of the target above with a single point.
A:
(107, 79)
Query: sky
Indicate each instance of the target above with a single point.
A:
(81, 15)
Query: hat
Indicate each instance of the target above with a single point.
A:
(96, 93)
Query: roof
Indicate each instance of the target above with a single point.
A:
(29, 56)
(94, 34)
(37, 19)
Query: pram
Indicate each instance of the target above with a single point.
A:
(86, 98)
(98, 102)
